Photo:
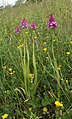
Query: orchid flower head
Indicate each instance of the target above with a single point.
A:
(33, 25)
(52, 22)
(17, 30)
(24, 23)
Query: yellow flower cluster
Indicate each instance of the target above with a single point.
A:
(58, 104)
(35, 37)
(68, 53)
(11, 71)
(30, 109)
(45, 43)
(45, 109)
(44, 49)
(67, 81)
(59, 67)
(26, 32)
(5, 116)
(31, 76)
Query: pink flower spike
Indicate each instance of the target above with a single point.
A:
(33, 26)
(52, 22)
(24, 23)
(17, 30)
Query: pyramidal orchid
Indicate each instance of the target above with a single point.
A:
(24, 23)
(52, 22)
(33, 26)
(17, 30)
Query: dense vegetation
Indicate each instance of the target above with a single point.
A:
(36, 65)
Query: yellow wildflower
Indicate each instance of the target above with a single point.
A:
(31, 76)
(68, 53)
(20, 46)
(12, 72)
(45, 109)
(45, 49)
(35, 37)
(30, 109)
(61, 79)
(10, 69)
(26, 32)
(45, 43)
(59, 67)
(67, 81)
(58, 104)
(5, 116)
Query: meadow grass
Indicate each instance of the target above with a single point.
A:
(36, 65)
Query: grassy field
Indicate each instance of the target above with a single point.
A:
(36, 65)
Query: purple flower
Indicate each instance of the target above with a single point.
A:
(24, 23)
(17, 30)
(52, 22)
(33, 25)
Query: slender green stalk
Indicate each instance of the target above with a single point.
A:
(56, 70)
(57, 76)
(27, 71)
(24, 68)
(35, 69)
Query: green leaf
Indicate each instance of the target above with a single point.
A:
(33, 103)
(47, 101)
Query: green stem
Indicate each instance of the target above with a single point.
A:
(56, 70)
(57, 77)
(27, 70)
(24, 68)
(35, 69)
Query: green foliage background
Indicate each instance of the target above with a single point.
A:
(12, 96)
